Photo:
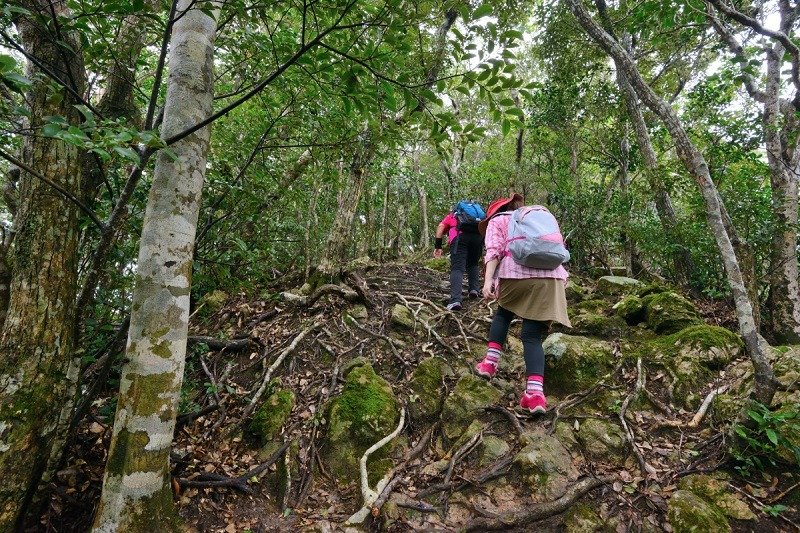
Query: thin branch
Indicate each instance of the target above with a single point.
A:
(71, 197)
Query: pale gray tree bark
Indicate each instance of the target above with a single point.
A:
(695, 164)
(781, 136)
(137, 495)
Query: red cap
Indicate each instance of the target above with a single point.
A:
(495, 207)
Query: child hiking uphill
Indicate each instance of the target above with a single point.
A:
(466, 246)
(535, 293)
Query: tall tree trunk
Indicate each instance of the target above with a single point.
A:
(784, 292)
(425, 231)
(38, 369)
(137, 495)
(681, 258)
(695, 163)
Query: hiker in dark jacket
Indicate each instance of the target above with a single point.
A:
(466, 246)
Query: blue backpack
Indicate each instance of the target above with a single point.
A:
(468, 214)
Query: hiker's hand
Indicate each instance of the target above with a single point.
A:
(437, 252)
(490, 289)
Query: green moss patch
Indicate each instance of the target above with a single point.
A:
(668, 312)
(270, 417)
(363, 414)
(575, 363)
(631, 309)
(689, 513)
(470, 395)
(426, 388)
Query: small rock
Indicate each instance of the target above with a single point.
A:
(575, 363)
(715, 491)
(470, 395)
(614, 285)
(545, 464)
(426, 388)
(689, 513)
(581, 518)
(402, 316)
(602, 440)
(492, 449)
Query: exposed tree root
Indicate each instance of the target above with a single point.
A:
(268, 375)
(515, 423)
(647, 470)
(346, 293)
(536, 511)
(371, 496)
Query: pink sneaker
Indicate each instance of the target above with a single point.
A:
(533, 403)
(486, 369)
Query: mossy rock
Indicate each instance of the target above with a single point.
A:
(716, 492)
(602, 440)
(402, 316)
(692, 356)
(596, 325)
(270, 417)
(668, 312)
(492, 449)
(575, 292)
(576, 363)
(213, 301)
(582, 518)
(470, 395)
(545, 465)
(440, 264)
(565, 433)
(631, 309)
(592, 306)
(617, 285)
(356, 314)
(426, 389)
(689, 513)
(352, 364)
(364, 413)
(652, 288)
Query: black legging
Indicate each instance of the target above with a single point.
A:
(532, 332)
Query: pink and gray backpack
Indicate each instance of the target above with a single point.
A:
(534, 238)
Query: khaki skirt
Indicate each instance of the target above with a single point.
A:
(535, 298)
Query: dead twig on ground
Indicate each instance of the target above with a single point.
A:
(699, 415)
(239, 482)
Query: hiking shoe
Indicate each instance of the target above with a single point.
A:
(473, 295)
(486, 369)
(454, 306)
(533, 403)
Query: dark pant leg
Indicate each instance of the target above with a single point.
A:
(501, 321)
(474, 251)
(458, 263)
(532, 333)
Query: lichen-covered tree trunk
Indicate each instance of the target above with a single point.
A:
(37, 367)
(784, 294)
(137, 495)
(695, 164)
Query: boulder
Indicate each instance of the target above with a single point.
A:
(545, 465)
(492, 449)
(402, 316)
(689, 513)
(602, 440)
(361, 415)
(358, 313)
(269, 418)
(631, 309)
(692, 355)
(598, 325)
(668, 312)
(576, 363)
(425, 401)
(715, 491)
(470, 395)
(616, 285)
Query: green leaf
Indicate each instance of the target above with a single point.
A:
(51, 130)
(127, 153)
(772, 436)
(481, 12)
(506, 126)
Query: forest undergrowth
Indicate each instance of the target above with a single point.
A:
(620, 439)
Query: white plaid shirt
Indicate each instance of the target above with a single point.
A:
(496, 248)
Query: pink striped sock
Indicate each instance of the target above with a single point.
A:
(493, 353)
(535, 385)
